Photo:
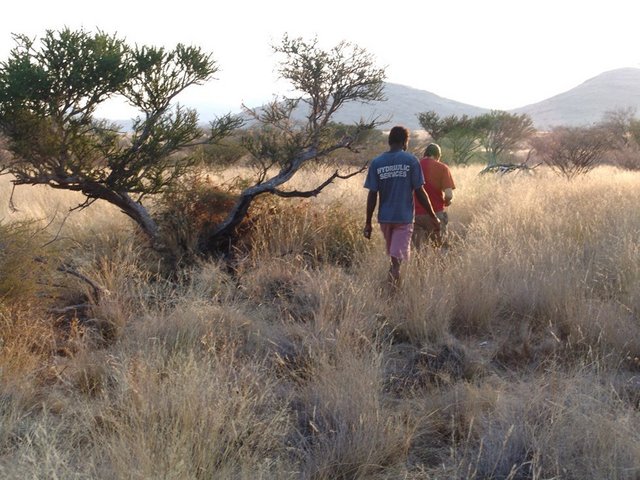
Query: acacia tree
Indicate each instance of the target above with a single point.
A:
(433, 124)
(48, 99)
(457, 133)
(463, 142)
(49, 96)
(296, 131)
(502, 132)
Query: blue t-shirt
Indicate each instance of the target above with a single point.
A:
(395, 175)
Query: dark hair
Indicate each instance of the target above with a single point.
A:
(398, 135)
(433, 150)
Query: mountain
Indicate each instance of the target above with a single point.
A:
(588, 102)
(402, 107)
(585, 104)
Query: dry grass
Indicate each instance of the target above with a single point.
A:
(49, 209)
(515, 354)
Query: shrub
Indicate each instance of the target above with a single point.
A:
(627, 157)
(186, 210)
(221, 155)
(571, 151)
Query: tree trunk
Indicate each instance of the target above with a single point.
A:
(134, 210)
(221, 236)
(140, 215)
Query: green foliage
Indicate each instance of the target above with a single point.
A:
(502, 132)
(433, 124)
(49, 94)
(458, 135)
(463, 141)
(634, 130)
(55, 89)
(69, 69)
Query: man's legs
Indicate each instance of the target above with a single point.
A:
(440, 238)
(421, 227)
(398, 240)
(424, 231)
(394, 272)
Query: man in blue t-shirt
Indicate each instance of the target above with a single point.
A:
(394, 176)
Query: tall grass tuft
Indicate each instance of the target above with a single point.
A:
(345, 428)
(319, 234)
(204, 416)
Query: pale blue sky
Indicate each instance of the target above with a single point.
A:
(490, 53)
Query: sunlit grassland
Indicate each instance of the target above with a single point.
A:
(513, 354)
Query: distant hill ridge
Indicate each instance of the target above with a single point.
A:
(588, 102)
(583, 105)
(403, 105)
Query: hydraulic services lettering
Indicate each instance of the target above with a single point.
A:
(392, 171)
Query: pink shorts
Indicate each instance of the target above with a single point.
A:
(398, 239)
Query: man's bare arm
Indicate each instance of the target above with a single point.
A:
(372, 200)
(448, 196)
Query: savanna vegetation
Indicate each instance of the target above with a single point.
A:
(514, 354)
